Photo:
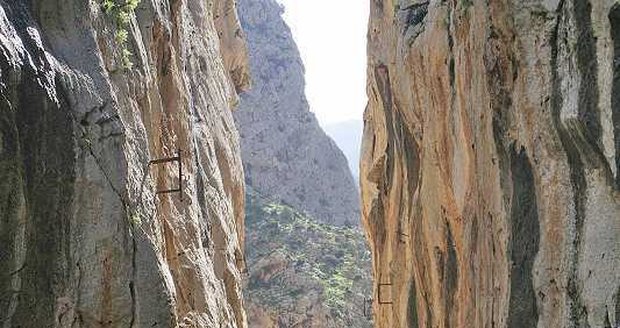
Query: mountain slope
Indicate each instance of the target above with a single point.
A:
(348, 137)
(285, 153)
(303, 272)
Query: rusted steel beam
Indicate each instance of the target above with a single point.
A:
(165, 160)
(178, 159)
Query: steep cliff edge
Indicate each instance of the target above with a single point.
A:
(490, 168)
(90, 92)
(286, 154)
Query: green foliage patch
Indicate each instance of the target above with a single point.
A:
(121, 11)
(330, 260)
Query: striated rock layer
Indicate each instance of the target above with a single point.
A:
(286, 154)
(490, 163)
(90, 91)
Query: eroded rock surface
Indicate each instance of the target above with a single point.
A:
(90, 92)
(490, 163)
(286, 154)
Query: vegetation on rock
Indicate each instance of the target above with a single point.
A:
(121, 11)
(298, 263)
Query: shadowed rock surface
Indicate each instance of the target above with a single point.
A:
(490, 163)
(286, 154)
(90, 91)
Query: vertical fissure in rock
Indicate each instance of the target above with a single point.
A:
(614, 19)
(382, 76)
(132, 282)
(451, 60)
(607, 323)
(412, 306)
(616, 300)
(524, 241)
(412, 158)
(451, 273)
(588, 69)
(451, 64)
(577, 309)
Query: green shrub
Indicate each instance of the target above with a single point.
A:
(121, 11)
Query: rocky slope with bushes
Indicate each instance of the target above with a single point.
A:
(302, 272)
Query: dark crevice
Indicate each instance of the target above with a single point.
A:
(382, 76)
(400, 138)
(577, 309)
(607, 324)
(451, 273)
(411, 20)
(451, 61)
(524, 242)
(614, 19)
(588, 69)
(617, 309)
(412, 308)
(132, 283)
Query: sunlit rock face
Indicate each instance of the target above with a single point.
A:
(90, 92)
(286, 154)
(490, 163)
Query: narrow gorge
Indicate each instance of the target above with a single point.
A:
(308, 262)
(161, 166)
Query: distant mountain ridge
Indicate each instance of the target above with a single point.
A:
(348, 137)
(286, 155)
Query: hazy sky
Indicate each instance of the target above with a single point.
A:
(331, 36)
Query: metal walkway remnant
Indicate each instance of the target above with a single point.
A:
(178, 159)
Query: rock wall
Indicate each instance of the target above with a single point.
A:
(490, 168)
(90, 92)
(286, 154)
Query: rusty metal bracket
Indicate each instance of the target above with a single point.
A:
(381, 301)
(178, 159)
(368, 308)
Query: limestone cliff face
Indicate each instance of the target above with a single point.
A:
(286, 154)
(90, 92)
(490, 170)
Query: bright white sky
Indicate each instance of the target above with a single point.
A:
(331, 36)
